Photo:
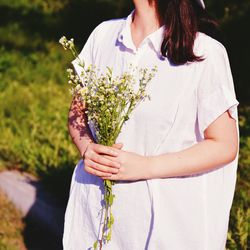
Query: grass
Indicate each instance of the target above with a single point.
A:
(34, 101)
(11, 226)
(238, 236)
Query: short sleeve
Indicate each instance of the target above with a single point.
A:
(216, 92)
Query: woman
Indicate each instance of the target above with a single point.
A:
(175, 160)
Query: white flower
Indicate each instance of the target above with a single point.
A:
(63, 40)
(83, 91)
(67, 44)
(70, 71)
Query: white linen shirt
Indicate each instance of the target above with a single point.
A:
(179, 213)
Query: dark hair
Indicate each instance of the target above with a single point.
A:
(183, 19)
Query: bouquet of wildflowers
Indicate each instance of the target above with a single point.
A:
(109, 101)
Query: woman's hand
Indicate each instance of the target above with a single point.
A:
(96, 159)
(132, 167)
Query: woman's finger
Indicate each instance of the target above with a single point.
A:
(101, 149)
(113, 177)
(91, 164)
(111, 158)
(118, 145)
(96, 172)
(104, 160)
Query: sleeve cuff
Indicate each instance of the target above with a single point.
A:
(214, 106)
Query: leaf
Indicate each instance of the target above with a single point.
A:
(111, 219)
(106, 199)
(95, 245)
(110, 199)
(110, 71)
(108, 225)
(126, 117)
(108, 238)
(108, 183)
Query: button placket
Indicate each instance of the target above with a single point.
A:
(135, 62)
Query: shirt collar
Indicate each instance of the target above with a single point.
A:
(125, 37)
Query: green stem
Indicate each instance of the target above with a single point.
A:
(76, 55)
(118, 130)
(105, 216)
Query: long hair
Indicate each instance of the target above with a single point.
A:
(183, 19)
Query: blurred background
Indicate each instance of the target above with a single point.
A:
(34, 100)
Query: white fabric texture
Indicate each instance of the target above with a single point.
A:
(179, 213)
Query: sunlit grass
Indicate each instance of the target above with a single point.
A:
(11, 226)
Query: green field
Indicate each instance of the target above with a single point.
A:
(34, 96)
